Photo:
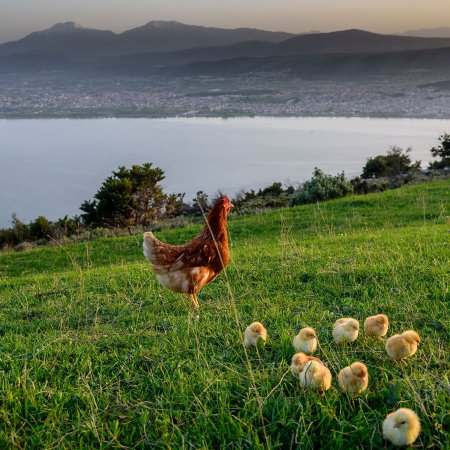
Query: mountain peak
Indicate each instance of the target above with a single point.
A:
(163, 24)
(64, 27)
(355, 32)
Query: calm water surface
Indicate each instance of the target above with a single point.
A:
(50, 166)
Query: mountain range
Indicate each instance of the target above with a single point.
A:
(79, 43)
(178, 49)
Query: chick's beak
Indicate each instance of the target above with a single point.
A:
(397, 425)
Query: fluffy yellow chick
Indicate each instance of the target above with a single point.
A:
(253, 333)
(376, 326)
(345, 330)
(306, 340)
(354, 378)
(401, 427)
(403, 345)
(315, 376)
(299, 361)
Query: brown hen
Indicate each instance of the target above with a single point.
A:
(188, 268)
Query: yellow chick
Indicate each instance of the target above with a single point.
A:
(253, 333)
(354, 378)
(345, 330)
(403, 345)
(299, 361)
(376, 326)
(306, 340)
(315, 376)
(401, 427)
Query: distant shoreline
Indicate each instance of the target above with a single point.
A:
(224, 117)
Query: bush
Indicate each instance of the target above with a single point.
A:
(396, 162)
(322, 187)
(367, 186)
(273, 196)
(40, 228)
(24, 247)
(443, 152)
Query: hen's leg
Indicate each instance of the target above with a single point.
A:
(194, 301)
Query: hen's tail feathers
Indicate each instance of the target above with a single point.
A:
(149, 246)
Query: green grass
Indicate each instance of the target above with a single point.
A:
(94, 353)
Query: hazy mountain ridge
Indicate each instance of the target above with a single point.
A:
(443, 32)
(342, 42)
(161, 36)
(77, 42)
(356, 41)
(351, 53)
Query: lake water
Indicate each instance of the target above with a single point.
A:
(49, 166)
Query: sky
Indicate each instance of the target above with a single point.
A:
(20, 17)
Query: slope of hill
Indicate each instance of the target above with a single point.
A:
(355, 41)
(34, 62)
(160, 36)
(142, 62)
(67, 39)
(348, 42)
(95, 353)
(328, 65)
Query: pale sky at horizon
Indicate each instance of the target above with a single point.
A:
(20, 17)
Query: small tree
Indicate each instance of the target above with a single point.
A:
(128, 197)
(175, 205)
(200, 203)
(396, 162)
(275, 189)
(40, 228)
(90, 215)
(67, 226)
(20, 231)
(442, 151)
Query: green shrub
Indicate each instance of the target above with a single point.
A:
(442, 151)
(322, 187)
(40, 228)
(396, 162)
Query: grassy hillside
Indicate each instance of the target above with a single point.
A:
(95, 353)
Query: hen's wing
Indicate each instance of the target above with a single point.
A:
(175, 257)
